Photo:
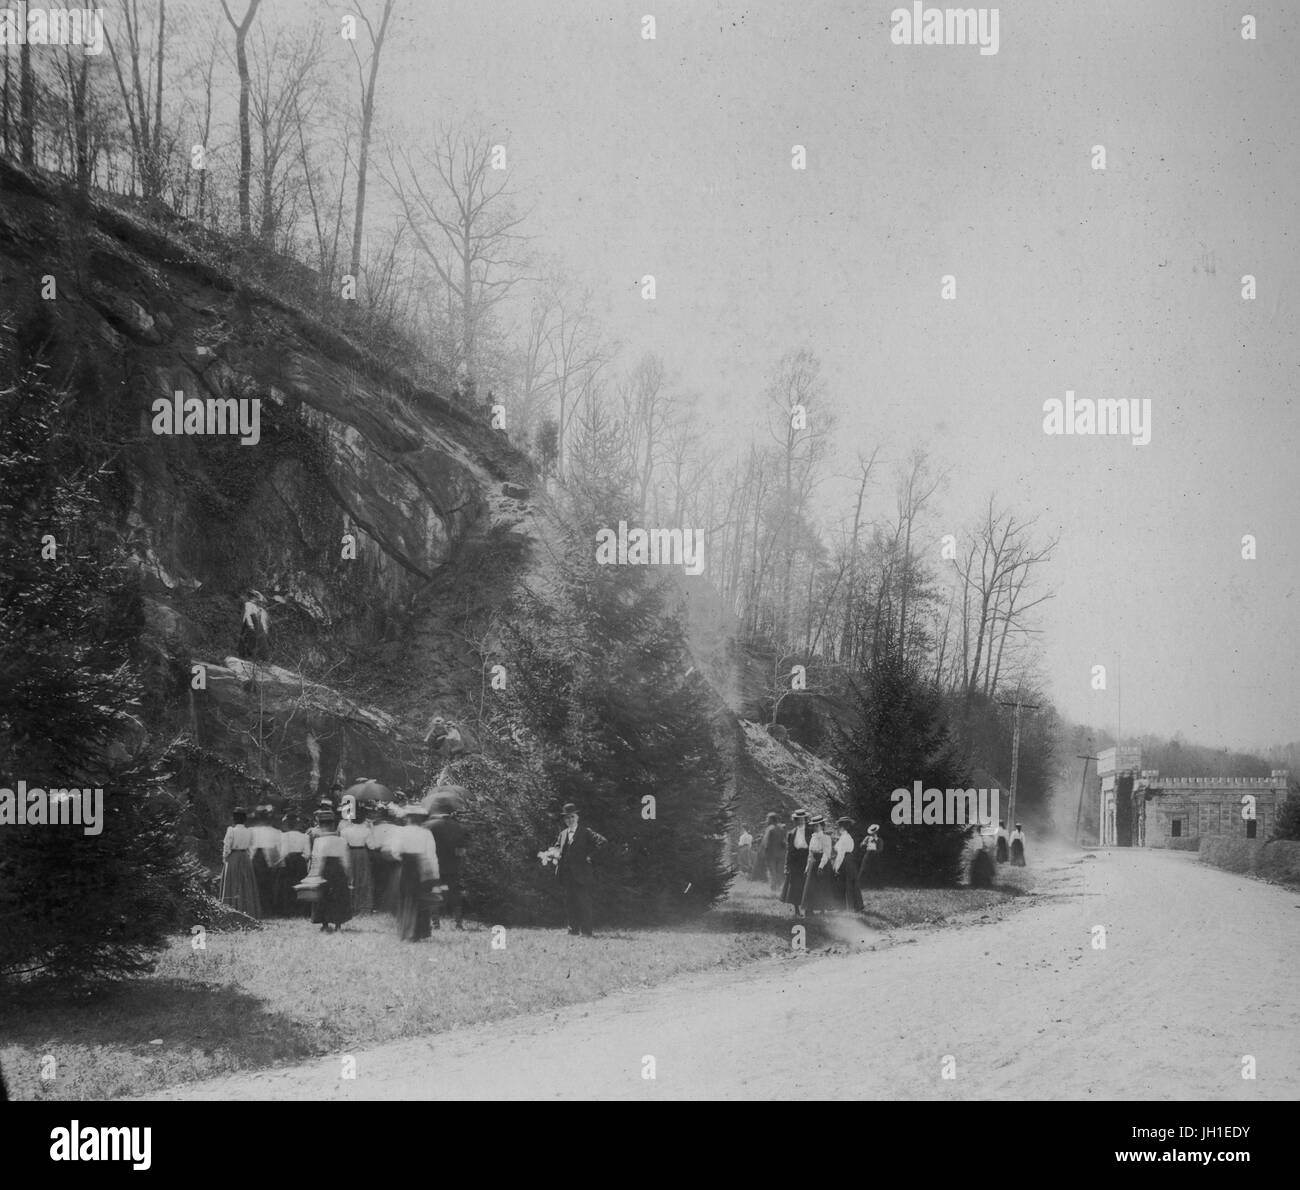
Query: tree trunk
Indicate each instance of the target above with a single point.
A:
(27, 106)
(367, 116)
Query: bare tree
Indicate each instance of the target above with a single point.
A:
(465, 226)
(367, 118)
(142, 98)
(245, 138)
(283, 67)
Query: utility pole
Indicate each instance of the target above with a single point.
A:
(1082, 784)
(1015, 752)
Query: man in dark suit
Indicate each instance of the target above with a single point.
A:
(451, 839)
(576, 845)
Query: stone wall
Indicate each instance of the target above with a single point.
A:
(1277, 859)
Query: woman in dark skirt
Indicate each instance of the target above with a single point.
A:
(238, 888)
(1017, 847)
(818, 886)
(331, 862)
(845, 862)
(356, 834)
(869, 873)
(383, 864)
(414, 848)
(796, 861)
(265, 856)
(294, 862)
(1002, 843)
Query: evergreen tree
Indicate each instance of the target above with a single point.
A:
(73, 906)
(900, 735)
(601, 687)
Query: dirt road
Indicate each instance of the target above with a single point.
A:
(1199, 969)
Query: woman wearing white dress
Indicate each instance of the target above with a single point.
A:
(238, 888)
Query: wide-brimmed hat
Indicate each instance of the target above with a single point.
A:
(873, 829)
(816, 821)
(569, 808)
(844, 822)
(799, 814)
(773, 818)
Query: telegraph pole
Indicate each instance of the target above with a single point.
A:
(1082, 785)
(1015, 752)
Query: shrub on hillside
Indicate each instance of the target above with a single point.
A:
(900, 735)
(73, 906)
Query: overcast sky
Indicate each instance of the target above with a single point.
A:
(673, 157)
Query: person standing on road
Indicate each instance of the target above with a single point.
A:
(1018, 847)
(796, 861)
(873, 846)
(818, 890)
(1002, 843)
(845, 865)
(576, 846)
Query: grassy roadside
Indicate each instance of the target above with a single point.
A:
(288, 993)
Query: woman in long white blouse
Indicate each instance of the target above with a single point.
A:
(330, 861)
(238, 888)
(413, 846)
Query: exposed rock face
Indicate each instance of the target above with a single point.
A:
(349, 451)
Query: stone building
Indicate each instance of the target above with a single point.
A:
(1140, 808)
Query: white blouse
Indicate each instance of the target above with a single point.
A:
(326, 847)
(238, 837)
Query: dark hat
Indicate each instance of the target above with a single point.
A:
(799, 814)
(569, 808)
(324, 815)
(844, 822)
(773, 818)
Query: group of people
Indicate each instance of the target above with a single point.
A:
(816, 867)
(403, 860)
(1017, 845)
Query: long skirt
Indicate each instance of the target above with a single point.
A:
(384, 870)
(745, 861)
(414, 902)
(363, 885)
(1002, 850)
(1017, 853)
(238, 888)
(869, 875)
(850, 894)
(792, 889)
(292, 872)
(774, 873)
(818, 890)
(335, 904)
(264, 874)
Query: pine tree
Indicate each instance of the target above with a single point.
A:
(76, 907)
(602, 688)
(900, 735)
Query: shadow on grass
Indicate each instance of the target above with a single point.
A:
(180, 1012)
